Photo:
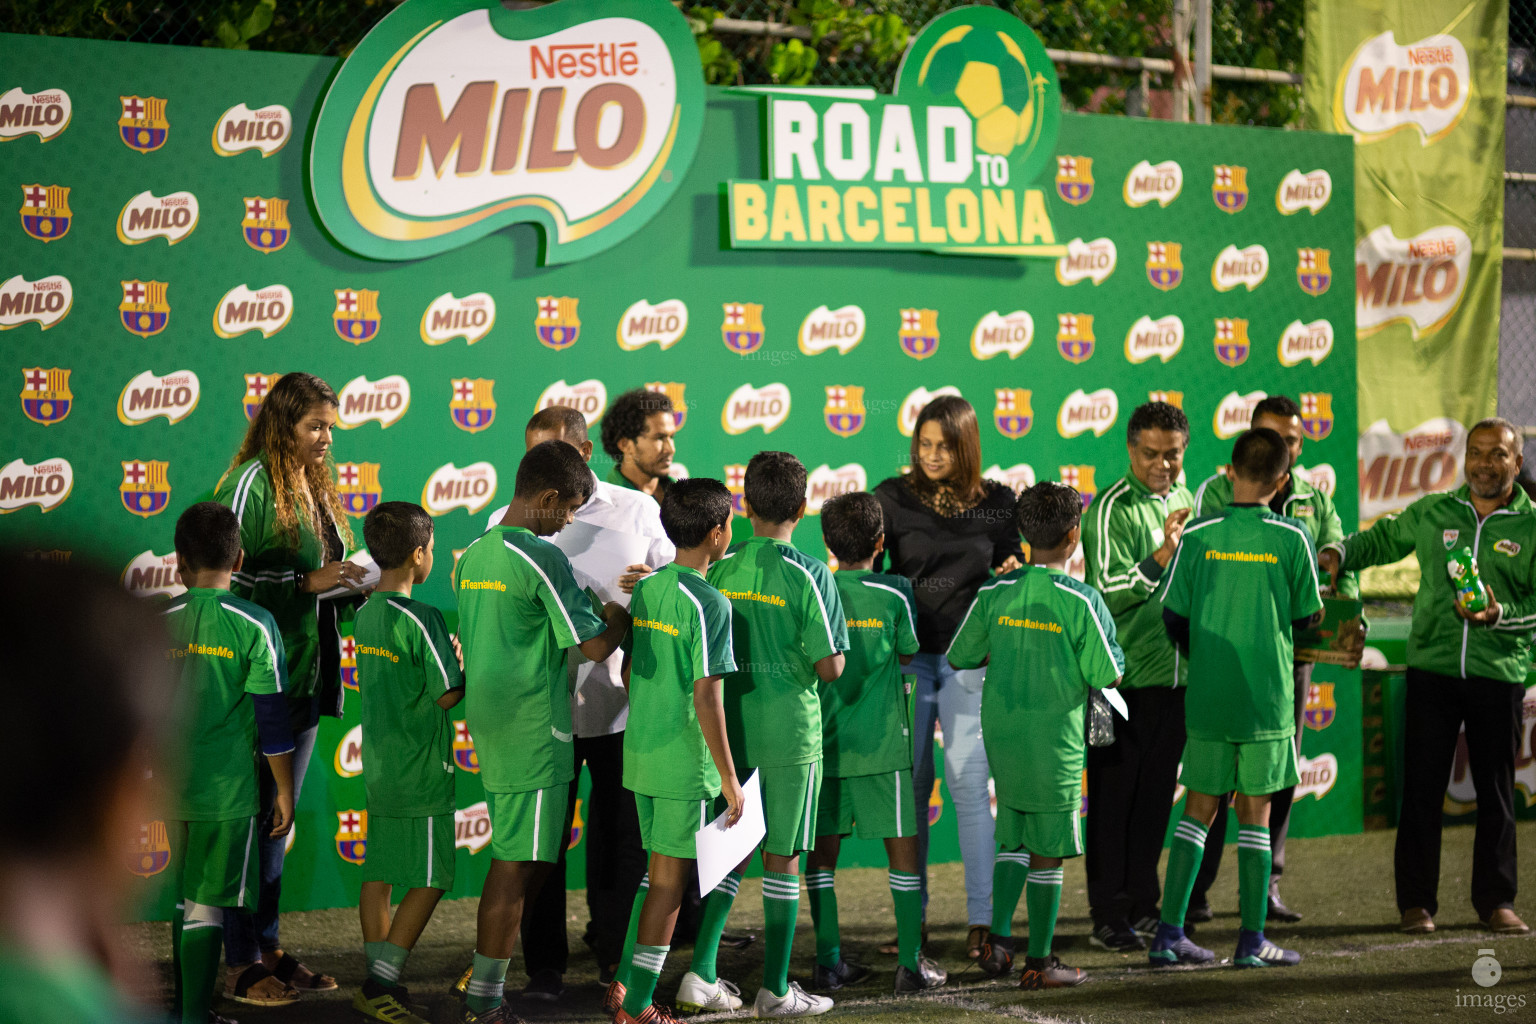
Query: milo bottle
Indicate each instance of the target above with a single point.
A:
(1471, 596)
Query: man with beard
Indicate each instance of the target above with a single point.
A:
(637, 435)
(1463, 668)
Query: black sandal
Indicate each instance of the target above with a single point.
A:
(288, 967)
(254, 975)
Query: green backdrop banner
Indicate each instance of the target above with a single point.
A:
(1419, 85)
(150, 305)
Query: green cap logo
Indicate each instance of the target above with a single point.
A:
(454, 118)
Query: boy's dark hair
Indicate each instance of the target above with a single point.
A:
(1047, 512)
(207, 537)
(561, 419)
(1260, 456)
(111, 659)
(395, 529)
(553, 465)
(774, 486)
(627, 416)
(850, 525)
(1156, 416)
(693, 507)
(1283, 406)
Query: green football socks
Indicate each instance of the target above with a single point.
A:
(1254, 860)
(907, 894)
(717, 907)
(818, 888)
(1184, 856)
(385, 962)
(1008, 875)
(781, 901)
(632, 936)
(486, 984)
(200, 948)
(1042, 895)
(644, 970)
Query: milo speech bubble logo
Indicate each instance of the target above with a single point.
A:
(454, 118)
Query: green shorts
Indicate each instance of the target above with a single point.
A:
(216, 861)
(789, 806)
(873, 806)
(1214, 767)
(667, 825)
(414, 852)
(528, 826)
(1045, 833)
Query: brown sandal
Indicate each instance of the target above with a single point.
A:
(256, 986)
(975, 940)
(289, 971)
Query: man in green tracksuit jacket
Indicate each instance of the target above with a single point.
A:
(1130, 532)
(1312, 508)
(1462, 669)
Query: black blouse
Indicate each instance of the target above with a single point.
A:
(947, 558)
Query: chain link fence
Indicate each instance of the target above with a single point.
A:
(1517, 320)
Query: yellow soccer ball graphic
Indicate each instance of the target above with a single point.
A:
(992, 81)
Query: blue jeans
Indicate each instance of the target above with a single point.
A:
(248, 934)
(954, 698)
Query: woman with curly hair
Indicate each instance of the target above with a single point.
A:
(293, 528)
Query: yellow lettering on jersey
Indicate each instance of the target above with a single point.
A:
(752, 595)
(866, 624)
(195, 648)
(653, 624)
(482, 585)
(1241, 556)
(378, 652)
(1049, 627)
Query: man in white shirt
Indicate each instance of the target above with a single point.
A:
(616, 537)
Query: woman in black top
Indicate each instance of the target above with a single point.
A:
(948, 530)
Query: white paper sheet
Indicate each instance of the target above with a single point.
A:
(1117, 702)
(371, 572)
(719, 848)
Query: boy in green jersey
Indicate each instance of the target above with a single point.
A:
(789, 635)
(233, 672)
(1048, 640)
(866, 747)
(1240, 582)
(676, 758)
(519, 609)
(409, 675)
(83, 654)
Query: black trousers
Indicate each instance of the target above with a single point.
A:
(1130, 795)
(1437, 706)
(615, 864)
(1279, 809)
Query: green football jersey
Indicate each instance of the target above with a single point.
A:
(35, 988)
(864, 728)
(519, 609)
(227, 648)
(1049, 639)
(405, 662)
(1304, 503)
(785, 616)
(271, 562)
(680, 632)
(1242, 577)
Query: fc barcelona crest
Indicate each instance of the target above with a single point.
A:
(349, 663)
(472, 406)
(266, 227)
(45, 213)
(145, 489)
(356, 318)
(464, 748)
(919, 332)
(1173, 398)
(1080, 479)
(557, 324)
(1312, 271)
(736, 482)
(150, 851)
(1013, 416)
(1316, 415)
(1231, 341)
(45, 394)
(357, 484)
(1074, 336)
(352, 836)
(143, 127)
(845, 409)
(1074, 179)
(256, 387)
(1165, 268)
(1320, 708)
(674, 392)
(1229, 188)
(742, 329)
(145, 310)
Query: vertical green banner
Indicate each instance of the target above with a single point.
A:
(1420, 87)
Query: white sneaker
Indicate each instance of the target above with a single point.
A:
(695, 995)
(794, 1003)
